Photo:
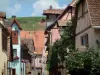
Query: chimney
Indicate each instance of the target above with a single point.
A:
(13, 16)
(50, 7)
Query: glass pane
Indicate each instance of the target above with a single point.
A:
(14, 53)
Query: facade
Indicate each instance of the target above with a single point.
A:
(3, 45)
(87, 24)
(14, 64)
(27, 48)
(37, 64)
(52, 31)
(38, 38)
(50, 36)
(39, 46)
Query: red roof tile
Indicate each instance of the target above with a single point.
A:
(38, 38)
(52, 11)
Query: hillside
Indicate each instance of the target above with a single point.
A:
(30, 23)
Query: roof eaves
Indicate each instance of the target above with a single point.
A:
(66, 9)
(49, 27)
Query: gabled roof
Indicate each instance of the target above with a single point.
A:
(64, 12)
(15, 21)
(9, 23)
(94, 11)
(70, 6)
(52, 11)
(59, 17)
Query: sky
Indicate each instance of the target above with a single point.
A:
(27, 8)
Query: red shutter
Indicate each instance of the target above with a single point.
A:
(15, 37)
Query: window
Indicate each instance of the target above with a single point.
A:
(14, 34)
(38, 73)
(40, 61)
(52, 17)
(13, 71)
(59, 73)
(15, 37)
(85, 6)
(47, 17)
(4, 41)
(84, 40)
(81, 9)
(30, 33)
(14, 53)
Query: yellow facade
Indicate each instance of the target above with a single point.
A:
(3, 57)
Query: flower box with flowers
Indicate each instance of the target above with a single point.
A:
(24, 61)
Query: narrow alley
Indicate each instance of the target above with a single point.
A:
(60, 37)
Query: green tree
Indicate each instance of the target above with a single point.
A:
(87, 62)
(60, 48)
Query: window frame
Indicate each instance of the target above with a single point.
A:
(14, 53)
(15, 37)
(4, 41)
(81, 9)
(84, 40)
(40, 60)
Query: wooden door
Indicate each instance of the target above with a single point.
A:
(13, 71)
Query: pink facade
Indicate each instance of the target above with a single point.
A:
(55, 35)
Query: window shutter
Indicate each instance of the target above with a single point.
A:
(15, 37)
(82, 40)
(86, 39)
